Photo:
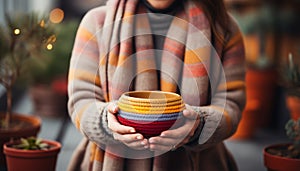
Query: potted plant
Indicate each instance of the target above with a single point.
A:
(32, 154)
(285, 157)
(290, 79)
(256, 25)
(48, 77)
(24, 36)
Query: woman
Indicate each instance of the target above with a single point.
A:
(157, 45)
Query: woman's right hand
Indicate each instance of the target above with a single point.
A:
(125, 134)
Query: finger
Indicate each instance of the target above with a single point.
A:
(158, 143)
(160, 148)
(115, 126)
(189, 114)
(113, 108)
(179, 132)
(135, 141)
(138, 145)
(128, 138)
(165, 141)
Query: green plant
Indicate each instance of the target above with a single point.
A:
(290, 76)
(31, 143)
(24, 36)
(258, 23)
(55, 62)
(292, 128)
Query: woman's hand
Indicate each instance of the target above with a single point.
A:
(125, 134)
(174, 138)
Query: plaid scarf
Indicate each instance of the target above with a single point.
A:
(128, 62)
(127, 57)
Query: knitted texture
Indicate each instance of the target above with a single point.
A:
(101, 70)
(154, 117)
(183, 62)
(148, 129)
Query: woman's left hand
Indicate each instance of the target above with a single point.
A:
(174, 138)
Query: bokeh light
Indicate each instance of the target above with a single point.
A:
(56, 15)
(17, 31)
(42, 23)
(49, 46)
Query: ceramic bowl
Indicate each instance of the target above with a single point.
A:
(150, 112)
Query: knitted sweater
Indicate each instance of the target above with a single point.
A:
(87, 108)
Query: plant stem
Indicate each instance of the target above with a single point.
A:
(9, 107)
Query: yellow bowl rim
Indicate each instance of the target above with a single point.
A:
(172, 97)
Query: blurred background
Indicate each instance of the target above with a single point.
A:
(272, 40)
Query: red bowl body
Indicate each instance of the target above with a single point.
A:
(148, 128)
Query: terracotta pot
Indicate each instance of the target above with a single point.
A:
(33, 125)
(33, 160)
(48, 102)
(278, 163)
(260, 90)
(60, 85)
(248, 124)
(261, 86)
(293, 104)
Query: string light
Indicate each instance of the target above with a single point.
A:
(42, 23)
(17, 31)
(49, 46)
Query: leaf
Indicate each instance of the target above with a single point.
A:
(44, 146)
(24, 141)
(38, 141)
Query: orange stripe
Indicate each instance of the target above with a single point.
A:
(127, 14)
(93, 148)
(79, 116)
(234, 39)
(84, 34)
(145, 65)
(167, 86)
(197, 55)
(83, 75)
(99, 155)
(227, 118)
(103, 59)
(113, 58)
(233, 85)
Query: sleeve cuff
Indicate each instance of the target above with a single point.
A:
(94, 124)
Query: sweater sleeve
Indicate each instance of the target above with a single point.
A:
(222, 116)
(86, 104)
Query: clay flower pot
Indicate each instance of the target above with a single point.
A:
(25, 126)
(260, 90)
(278, 163)
(150, 112)
(33, 160)
(52, 106)
(293, 104)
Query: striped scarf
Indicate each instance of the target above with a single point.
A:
(127, 57)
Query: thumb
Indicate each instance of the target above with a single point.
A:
(113, 108)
